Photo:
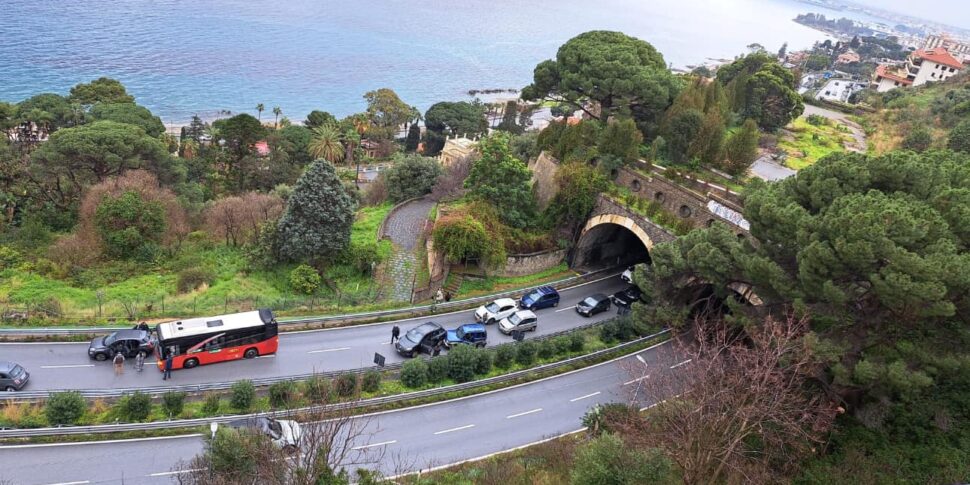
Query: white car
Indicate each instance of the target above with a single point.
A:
(495, 310)
(284, 433)
(627, 275)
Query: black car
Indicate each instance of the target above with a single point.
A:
(593, 304)
(126, 342)
(422, 338)
(627, 297)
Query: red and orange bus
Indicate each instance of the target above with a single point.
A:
(199, 341)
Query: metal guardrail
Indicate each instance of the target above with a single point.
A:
(30, 396)
(364, 316)
(377, 401)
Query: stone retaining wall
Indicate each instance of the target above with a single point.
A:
(525, 264)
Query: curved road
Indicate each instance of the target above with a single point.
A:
(64, 366)
(398, 441)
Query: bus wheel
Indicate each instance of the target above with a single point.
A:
(190, 363)
(251, 353)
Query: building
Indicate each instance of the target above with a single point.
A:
(921, 67)
(839, 90)
(848, 57)
(958, 49)
(455, 149)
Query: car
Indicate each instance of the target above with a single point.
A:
(13, 377)
(495, 310)
(540, 298)
(422, 338)
(626, 297)
(285, 433)
(126, 342)
(523, 320)
(593, 304)
(627, 275)
(469, 334)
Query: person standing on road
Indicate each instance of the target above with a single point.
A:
(140, 361)
(119, 362)
(168, 366)
(436, 350)
(395, 334)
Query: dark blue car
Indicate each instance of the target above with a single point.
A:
(544, 297)
(471, 334)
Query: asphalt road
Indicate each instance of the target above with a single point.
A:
(404, 440)
(64, 366)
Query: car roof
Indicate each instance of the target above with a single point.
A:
(427, 327)
(543, 290)
(598, 296)
(7, 365)
(505, 301)
(473, 327)
(525, 314)
(131, 334)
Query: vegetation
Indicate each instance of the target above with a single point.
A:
(502, 180)
(316, 223)
(447, 119)
(808, 142)
(759, 88)
(411, 176)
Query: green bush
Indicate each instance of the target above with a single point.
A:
(317, 389)
(525, 353)
(606, 460)
(608, 332)
(346, 385)
(130, 226)
(562, 344)
(371, 381)
(65, 407)
(547, 349)
(136, 406)
(173, 402)
(605, 418)
(438, 369)
(461, 363)
(577, 341)
(281, 394)
(304, 279)
(210, 405)
(242, 395)
(9, 257)
(483, 361)
(192, 278)
(414, 373)
(504, 356)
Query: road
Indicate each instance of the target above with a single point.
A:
(66, 366)
(398, 441)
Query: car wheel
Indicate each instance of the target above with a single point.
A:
(191, 363)
(10, 389)
(533, 329)
(555, 304)
(480, 345)
(490, 321)
(100, 357)
(251, 353)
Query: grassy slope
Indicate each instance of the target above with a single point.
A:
(809, 143)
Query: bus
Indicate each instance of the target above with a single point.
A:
(207, 340)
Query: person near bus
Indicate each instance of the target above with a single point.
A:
(395, 334)
(168, 366)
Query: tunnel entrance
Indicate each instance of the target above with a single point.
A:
(609, 245)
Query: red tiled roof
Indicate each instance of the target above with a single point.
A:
(262, 148)
(939, 55)
(883, 71)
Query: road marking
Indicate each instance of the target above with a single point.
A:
(564, 309)
(65, 366)
(176, 472)
(584, 397)
(536, 410)
(328, 350)
(455, 429)
(71, 483)
(270, 356)
(627, 383)
(364, 447)
(680, 364)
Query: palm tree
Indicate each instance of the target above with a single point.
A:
(326, 143)
(277, 111)
(259, 109)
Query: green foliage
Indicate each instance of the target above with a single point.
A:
(191, 278)
(577, 341)
(438, 368)
(447, 119)
(371, 381)
(346, 385)
(240, 132)
(680, 132)
(281, 394)
(49, 111)
(609, 417)
(509, 121)
(413, 138)
(136, 406)
(229, 453)
(483, 361)
(525, 352)
(318, 118)
(462, 237)
(317, 389)
(547, 349)
(502, 180)
(304, 279)
(210, 405)
(128, 223)
(173, 402)
(817, 62)
(606, 460)
(761, 89)
(414, 373)
(461, 363)
(579, 187)
(568, 143)
(504, 356)
(620, 139)
(387, 112)
(131, 114)
(318, 218)
(9, 257)
(242, 395)
(65, 408)
(411, 176)
(918, 139)
(960, 137)
(741, 148)
(101, 90)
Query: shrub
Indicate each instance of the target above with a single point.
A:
(242, 395)
(128, 224)
(65, 407)
(281, 394)
(504, 355)
(438, 369)
(609, 417)
(562, 344)
(192, 278)
(414, 373)
(9, 257)
(211, 404)
(577, 340)
(173, 402)
(606, 460)
(608, 332)
(304, 279)
(547, 349)
(317, 389)
(525, 353)
(461, 363)
(918, 139)
(371, 381)
(346, 385)
(483, 361)
(136, 406)
(411, 176)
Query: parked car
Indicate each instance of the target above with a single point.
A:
(126, 342)
(13, 377)
(495, 310)
(422, 338)
(627, 275)
(523, 320)
(470, 334)
(284, 433)
(540, 298)
(593, 304)
(626, 297)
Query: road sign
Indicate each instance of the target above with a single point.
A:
(379, 359)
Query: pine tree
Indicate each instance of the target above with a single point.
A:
(413, 138)
(741, 148)
(319, 214)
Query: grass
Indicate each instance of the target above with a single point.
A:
(808, 143)
(479, 286)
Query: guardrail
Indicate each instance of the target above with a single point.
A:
(30, 396)
(377, 401)
(364, 316)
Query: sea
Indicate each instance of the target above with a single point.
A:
(213, 57)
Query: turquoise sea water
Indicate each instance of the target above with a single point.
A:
(185, 57)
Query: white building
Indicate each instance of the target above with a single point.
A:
(921, 67)
(959, 49)
(839, 90)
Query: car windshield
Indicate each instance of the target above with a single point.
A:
(492, 307)
(515, 319)
(414, 335)
(460, 333)
(589, 301)
(110, 339)
(275, 429)
(17, 371)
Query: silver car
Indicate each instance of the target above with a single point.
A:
(13, 377)
(284, 433)
(523, 321)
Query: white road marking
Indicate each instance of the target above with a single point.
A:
(328, 350)
(176, 472)
(270, 356)
(364, 447)
(72, 483)
(455, 429)
(564, 309)
(65, 366)
(536, 410)
(627, 383)
(680, 364)
(584, 397)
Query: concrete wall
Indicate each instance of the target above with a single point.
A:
(524, 264)
(544, 169)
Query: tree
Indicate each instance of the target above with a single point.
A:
(240, 132)
(502, 180)
(681, 132)
(387, 112)
(509, 121)
(579, 187)
(447, 119)
(709, 143)
(101, 90)
(411, 176)
(461, 238)
(617, 73)
(817, 62)
(413, 138)
(130, 113)
(762, 89)
(319, 214)
(295, 141)
(959, 139)
(620, 139)
(319, 118)
(238, 219)
(259, 111)
(741, 148)
(128, 224)
(304, 279)
(918, 139)
(327, 144)
(276, 114)
(49, 112)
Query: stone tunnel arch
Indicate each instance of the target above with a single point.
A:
(610, 240)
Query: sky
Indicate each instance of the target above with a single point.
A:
(951, 12)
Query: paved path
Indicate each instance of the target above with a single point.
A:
(404, 227)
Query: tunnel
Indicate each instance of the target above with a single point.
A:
(609, 245)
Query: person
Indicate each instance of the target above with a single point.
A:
(436, 350)
(119, 362)
(438, 296)
(447, 296)
(140, 361)
(168, 366)
(144, 326)
(395, 334)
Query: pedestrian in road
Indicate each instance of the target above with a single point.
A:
(168, 367)
(119, 362)
(395, 334)
(140, 361)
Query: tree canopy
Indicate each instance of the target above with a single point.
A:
(411, 176)
(315, 226)
(761, 89)
(502, 180)
(387, 112)
(319, 118)
(130, 113)
(450, 119)
(240, 132)
(101, 90)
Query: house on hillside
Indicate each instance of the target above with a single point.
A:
(921, 67)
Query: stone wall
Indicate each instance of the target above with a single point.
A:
(544, 169)
(524, 264)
